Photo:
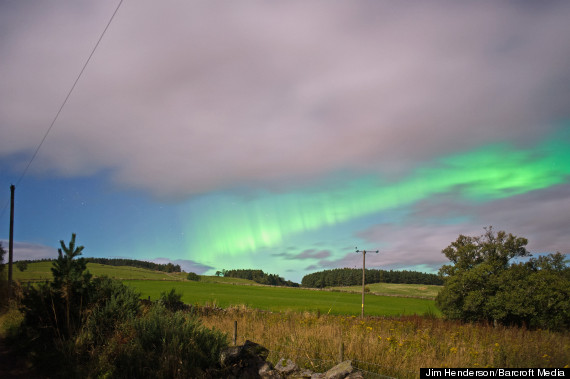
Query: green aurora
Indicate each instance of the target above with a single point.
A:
(232, 226)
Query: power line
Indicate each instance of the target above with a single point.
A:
(65, 101)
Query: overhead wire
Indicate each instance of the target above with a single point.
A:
(64, 103)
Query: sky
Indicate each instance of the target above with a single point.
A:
(284, 135)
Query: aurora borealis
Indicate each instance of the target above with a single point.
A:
(280, 136)
(233, 227)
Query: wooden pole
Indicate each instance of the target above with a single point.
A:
(11, 241)
(363, 278)
(235, 333)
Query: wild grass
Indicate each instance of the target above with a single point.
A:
(10, 319)
(396, 347)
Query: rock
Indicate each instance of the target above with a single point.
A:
(286, 367)
(249, 354)
(355, 375)
(303, 374)
(266, 371)
(255, 349)
(340, 371)
(229, 356)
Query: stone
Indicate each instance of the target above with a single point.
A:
(340, 371)
(302, 374)
(266, 371)
(286, 367)
(248, 353)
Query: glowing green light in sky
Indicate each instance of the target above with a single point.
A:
(232, 225)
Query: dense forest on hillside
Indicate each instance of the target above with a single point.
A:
(353, 276)
(169, 267)
(259, 276)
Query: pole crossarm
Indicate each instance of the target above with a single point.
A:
(364, 274)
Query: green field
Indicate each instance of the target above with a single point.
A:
(394, 289)
(225, 292)
(283, 298)
(40, 271)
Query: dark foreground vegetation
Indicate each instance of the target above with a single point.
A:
(76, 326)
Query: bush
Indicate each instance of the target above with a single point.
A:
(171, 300)
(161, 344)
(193, 276)
(111, 304)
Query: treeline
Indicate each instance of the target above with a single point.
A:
(259, 276)
(353, 276)
(169, 267)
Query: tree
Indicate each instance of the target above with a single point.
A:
(482, 284)
(2, 252)
(22, 265)
(70, 277)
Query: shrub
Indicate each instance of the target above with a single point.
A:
(171, 300)
(111, 304)
(193, 276)
(161, 344)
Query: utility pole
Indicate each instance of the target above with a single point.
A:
(363, 274)
(11, 242)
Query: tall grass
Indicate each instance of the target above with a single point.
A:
(393, 346)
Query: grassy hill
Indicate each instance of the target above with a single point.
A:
(225, 292)
(41, 271)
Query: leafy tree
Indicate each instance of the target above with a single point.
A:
(2, 253)
(22, 265)
(193, 276)
(482, 284)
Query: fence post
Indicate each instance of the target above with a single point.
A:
(235, 333)
(341, 352)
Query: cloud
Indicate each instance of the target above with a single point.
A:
(186, 98)
(436, 222)
(185, 264)
(306, 254)
(29, 251)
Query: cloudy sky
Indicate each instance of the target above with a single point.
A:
(281, 135)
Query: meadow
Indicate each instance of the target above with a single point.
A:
(282, 299)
